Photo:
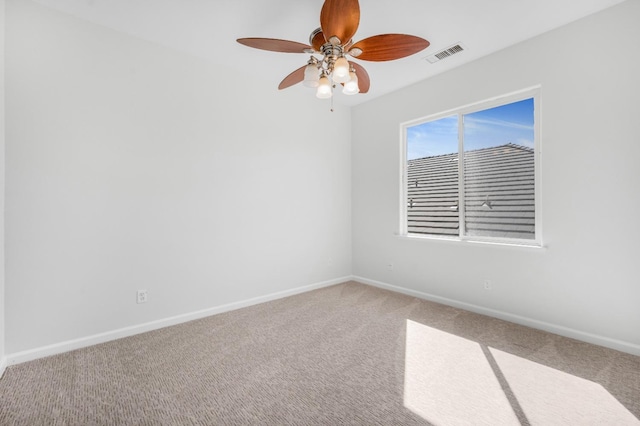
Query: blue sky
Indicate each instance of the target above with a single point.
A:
(511, 123)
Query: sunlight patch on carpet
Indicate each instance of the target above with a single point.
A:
(450, 380)
(553, 397)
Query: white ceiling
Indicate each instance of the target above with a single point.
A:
(209, 28)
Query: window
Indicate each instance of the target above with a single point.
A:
(489, 195)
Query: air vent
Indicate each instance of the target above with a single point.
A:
(449, 51)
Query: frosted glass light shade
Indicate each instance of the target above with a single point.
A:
(351, 87)
(324, 88)
(311, 76)
(341, 70)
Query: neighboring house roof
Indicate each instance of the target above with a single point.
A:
(499, 193)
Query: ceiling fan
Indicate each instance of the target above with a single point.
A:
(339, 20)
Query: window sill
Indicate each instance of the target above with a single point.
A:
(454, 240)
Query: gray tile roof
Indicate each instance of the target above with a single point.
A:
(499, 197)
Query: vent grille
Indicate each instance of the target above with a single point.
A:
(449, 51)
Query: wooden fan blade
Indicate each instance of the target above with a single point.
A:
(387, 47)
(363, 78)
(340, 18)
(317, 41)
(294, 78)
(274, 44)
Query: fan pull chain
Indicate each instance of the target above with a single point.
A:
(333, 86)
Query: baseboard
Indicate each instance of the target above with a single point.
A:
(57, 348)
(3, 365)
(29, 355)
(619, 345)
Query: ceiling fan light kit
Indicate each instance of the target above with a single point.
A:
(332, 42)
(324, 87)
(351, 86)
(311, 75)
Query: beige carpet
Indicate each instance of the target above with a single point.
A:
(346, 354)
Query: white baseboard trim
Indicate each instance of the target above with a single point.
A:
(57, 348)
(595, 339)
(3, 365)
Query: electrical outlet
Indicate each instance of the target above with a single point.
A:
(141, 296)
(487, 285)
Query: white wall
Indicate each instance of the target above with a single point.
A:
(132, 166)
(2, 171)
(586, 283)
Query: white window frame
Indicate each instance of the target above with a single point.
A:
(532, 92)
